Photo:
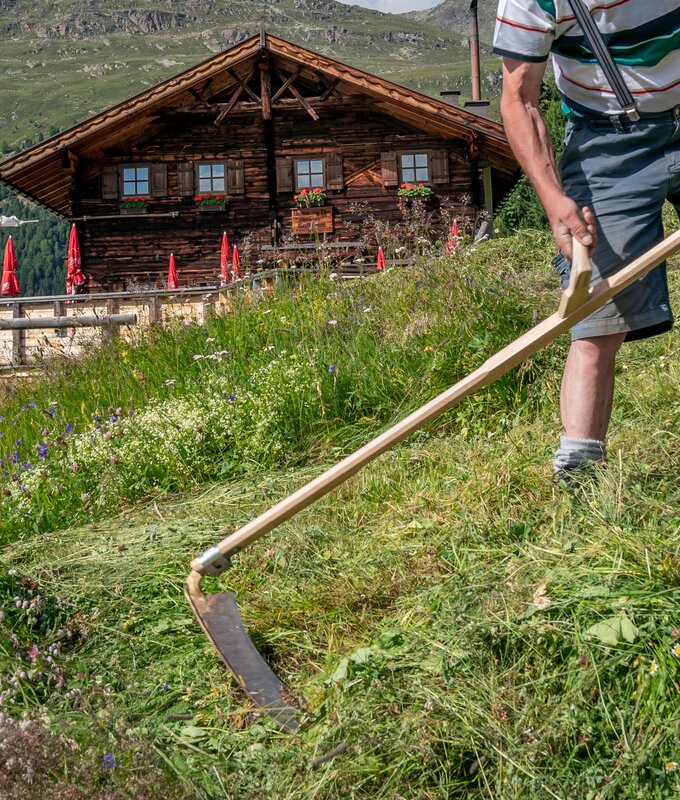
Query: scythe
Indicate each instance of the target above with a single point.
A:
(218, 613)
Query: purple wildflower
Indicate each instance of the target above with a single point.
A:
(232, 397)
(108, 761)
(43, 450)
(330, 368)
(69, 428)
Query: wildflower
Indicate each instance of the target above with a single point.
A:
(84, 497)
(676, 650)
(671, 766)
(68, 428)
(332, 322)
(653, 668)
(113, 418)
(330, 369)
(232, 397)
(108, 761)
(43, 451)
(165, 687)
(31, 404)
(50, 411)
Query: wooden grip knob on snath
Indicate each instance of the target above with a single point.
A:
(578, 291)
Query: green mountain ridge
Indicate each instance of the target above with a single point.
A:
(68, 59)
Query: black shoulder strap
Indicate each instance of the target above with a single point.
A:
(595, 40)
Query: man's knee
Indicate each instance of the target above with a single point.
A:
(598, 349)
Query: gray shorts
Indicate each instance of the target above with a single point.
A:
(624, 171)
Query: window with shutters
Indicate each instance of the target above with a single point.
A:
(309, 173)
(211, 177)
(135, 180)
(415, 167)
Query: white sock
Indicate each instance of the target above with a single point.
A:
(573, 453)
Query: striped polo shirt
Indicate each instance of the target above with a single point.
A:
(643, 36)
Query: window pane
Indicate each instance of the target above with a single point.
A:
(421, 174)
(421, 160)
(204, 170)
(408, 175)
(129, 187)
(142, 187)
(204, 185)
(218, 170)
(303, 182)
(406, 161)
(317, 166)
(218, 185)
(317, 180)
(303, 166)
(142, 173)
(128, 174)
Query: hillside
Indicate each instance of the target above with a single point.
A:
(452, 624)
(454, 15)
(64, 60)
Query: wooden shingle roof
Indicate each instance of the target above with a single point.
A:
(45, 173)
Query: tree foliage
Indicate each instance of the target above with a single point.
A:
(40, 248)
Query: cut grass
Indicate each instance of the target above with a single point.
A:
(449, 619)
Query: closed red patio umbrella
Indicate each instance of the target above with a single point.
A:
(224, 259)
(74, 275)
(235, 264)
(10, 283)
(381, 259)
(454, 238)
(172, 273)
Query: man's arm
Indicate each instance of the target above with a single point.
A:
(532, 146)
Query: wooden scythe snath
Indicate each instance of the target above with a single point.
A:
(218, 614)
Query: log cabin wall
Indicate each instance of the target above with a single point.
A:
(120, 250)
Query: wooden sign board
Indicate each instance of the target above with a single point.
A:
(313, 220)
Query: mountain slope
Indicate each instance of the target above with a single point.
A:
(64, 60)
(454, 15)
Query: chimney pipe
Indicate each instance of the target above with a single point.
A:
(474, 53)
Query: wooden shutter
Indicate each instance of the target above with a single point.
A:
(439, 162)
(159, 180)
(235, 176)
(284, 174)
(110, 182)
(334, 176)
(185, 179)
(389, 163)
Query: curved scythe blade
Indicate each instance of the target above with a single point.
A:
(219, 617)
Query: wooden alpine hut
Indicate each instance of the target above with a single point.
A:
(227, 144)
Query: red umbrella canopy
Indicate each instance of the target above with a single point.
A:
(235, 263)
(74, 275)
(381, 259)
(10, 283)
(224, 258)
(454, 238)
(172, 273)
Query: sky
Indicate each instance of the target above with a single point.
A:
(393, 6)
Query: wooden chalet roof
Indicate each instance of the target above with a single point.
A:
(45, 173)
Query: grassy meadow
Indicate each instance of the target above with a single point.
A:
(451, 623)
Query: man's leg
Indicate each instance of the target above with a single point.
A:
(588, 386)
(586, 400)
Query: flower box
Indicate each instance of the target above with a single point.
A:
(135, 211)
(313, 220)
(211, 202)
(134, 205)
